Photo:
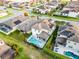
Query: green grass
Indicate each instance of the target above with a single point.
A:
(19, 35)
(9, 15)
(50, 44)
(58, 17)
(11, 40)
(22, 56)
(66, 18)
(16, 38)
(54, 55)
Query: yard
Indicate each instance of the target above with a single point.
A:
(9, 14)
(10, 40)
(29, 52)
(57, 17)
(50, 44)
(67, 18)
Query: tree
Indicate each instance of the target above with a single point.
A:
(1, 3)
(26, 14)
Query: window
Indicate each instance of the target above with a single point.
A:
(17, 22)
(74, 43)
(70, 46)
(68, 41)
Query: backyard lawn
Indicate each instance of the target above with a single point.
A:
(29, 52)
(10, 40)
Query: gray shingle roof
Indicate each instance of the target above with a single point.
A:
(74, 38)
(44, 36)
(45, 26)
(61, 40)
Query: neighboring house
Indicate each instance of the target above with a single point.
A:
(10, 25)
(15, 5)
(5, 51)
(3, 13)
(2, 8)
(26, 26)
(71, 9)
(20, 22)
(42, 9)
(46, 8)
(41, 32)
(53, 4)
(68, 39)
(26, 6)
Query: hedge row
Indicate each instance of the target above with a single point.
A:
(47, 49)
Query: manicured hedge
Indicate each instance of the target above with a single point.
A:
(52, 38)
(53, 54)
(47, 49)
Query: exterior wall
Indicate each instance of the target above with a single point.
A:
(50, 32)
(72, 14)
(72, 45)
(35, 32)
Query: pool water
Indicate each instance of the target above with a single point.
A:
(35, 41)
(70, 54)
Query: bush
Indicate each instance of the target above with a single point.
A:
(17, 49)
(20, 49)
(26, 14)
(53, 54)
(51, 41)
(52, 38)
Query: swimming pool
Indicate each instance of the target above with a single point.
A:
(35, 41)
(71, 54)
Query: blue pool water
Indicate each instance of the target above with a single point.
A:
(35, 41)
(70, 54)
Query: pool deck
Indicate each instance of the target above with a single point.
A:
(61, 51)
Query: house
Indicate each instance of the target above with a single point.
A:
(68, 39)
(71, 9)
(5, 51)
(44, 26)
(53, 4)
(46, 8)
(2, 8)
(41, 32)
(19, 22)
(15, 5)
(26, 26)
(11, 24)
(3, 13)
(42, 9)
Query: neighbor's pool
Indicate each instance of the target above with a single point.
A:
(35, 41)
(71, 54)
